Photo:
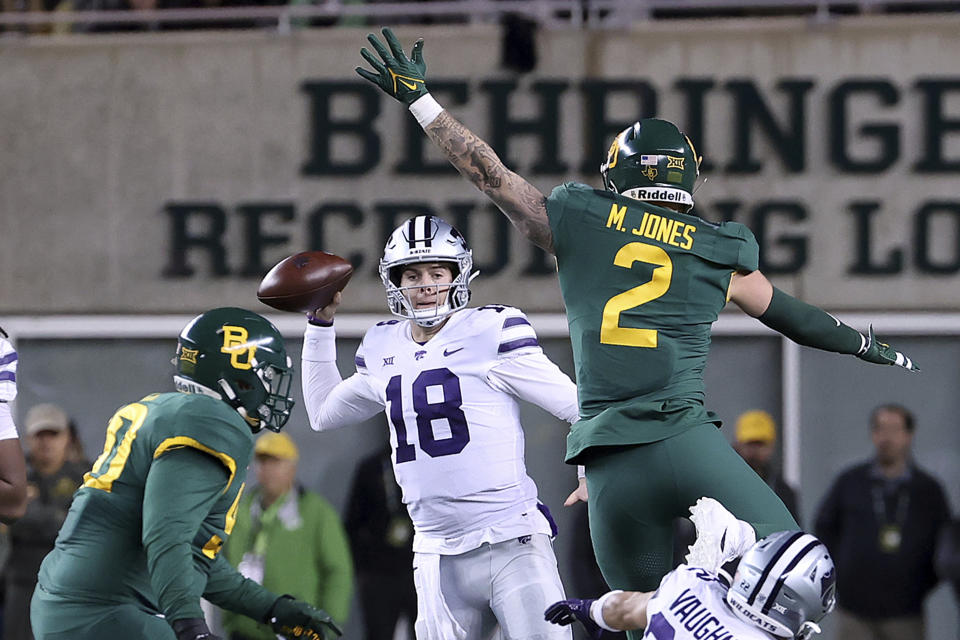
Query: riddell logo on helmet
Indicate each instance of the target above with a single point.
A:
(669, 195)
(659, 194)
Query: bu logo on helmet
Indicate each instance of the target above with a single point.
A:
(235, 342)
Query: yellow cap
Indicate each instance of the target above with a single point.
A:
(756, 426)
(276, 445)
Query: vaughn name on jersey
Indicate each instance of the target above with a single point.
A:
(453, 418)
(690, 605)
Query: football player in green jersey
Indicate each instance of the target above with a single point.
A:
(141, 542)
(642, 279)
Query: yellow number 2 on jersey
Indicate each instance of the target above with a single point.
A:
(610, 330)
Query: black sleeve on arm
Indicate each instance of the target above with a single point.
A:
(182, 486)
(810, 326)
(229, 590)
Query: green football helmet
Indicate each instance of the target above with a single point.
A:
(238, 356)
(654, 161)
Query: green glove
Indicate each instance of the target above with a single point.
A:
(297, 619)
(402, 78)
(881, 353)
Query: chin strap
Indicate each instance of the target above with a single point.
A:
(807, 629)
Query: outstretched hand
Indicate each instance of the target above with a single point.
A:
(881, 353)
(569, 611)
(401, 77)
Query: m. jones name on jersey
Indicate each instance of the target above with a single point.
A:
(655, 227)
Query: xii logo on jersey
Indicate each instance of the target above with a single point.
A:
(235, 342)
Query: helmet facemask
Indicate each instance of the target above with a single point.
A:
(426, 239)
(263, 398)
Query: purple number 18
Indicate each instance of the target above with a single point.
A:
(427, 412)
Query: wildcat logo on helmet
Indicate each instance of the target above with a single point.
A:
(235, 342)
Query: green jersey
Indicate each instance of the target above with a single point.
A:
(148, 522)
(642, 285)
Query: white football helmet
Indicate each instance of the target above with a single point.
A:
(426, 239)
(785, 584)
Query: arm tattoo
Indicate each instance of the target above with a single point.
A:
(519, 200)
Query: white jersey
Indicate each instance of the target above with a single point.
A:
(458, 446)
(690, 605)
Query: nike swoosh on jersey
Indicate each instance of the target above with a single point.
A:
(450, 352)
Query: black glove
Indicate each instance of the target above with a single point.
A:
(192, 629)
(569, 611)
(297, 619)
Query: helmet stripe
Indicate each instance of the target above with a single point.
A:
(783, 575)
(412, 233)
(773, 561)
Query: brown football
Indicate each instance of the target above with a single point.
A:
(304, 281)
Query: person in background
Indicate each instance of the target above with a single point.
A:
(756, 438)
(880, 520)
(52, 480)
(381, 536)
(288, 539)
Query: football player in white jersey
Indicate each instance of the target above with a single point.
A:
(448, 378)
(783, 586)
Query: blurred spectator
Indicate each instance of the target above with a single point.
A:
(756, 439)
(51, 481)
(947, 558)
(381, 536)
(880, 521)
(288, 539)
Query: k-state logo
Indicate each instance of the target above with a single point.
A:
(419, 354)
(524, 539)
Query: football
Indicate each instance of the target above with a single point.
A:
(304, 281)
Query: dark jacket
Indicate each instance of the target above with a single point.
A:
(871, 582)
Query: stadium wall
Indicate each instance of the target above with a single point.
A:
(167, 172)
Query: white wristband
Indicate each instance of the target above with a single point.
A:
(581, 471)
(596, 610)
(425, 109)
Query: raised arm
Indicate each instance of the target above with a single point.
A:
(404, 79)
(808, 325)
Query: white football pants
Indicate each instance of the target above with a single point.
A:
(494, 592)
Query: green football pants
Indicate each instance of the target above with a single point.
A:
(56, 618)
(636, 492)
